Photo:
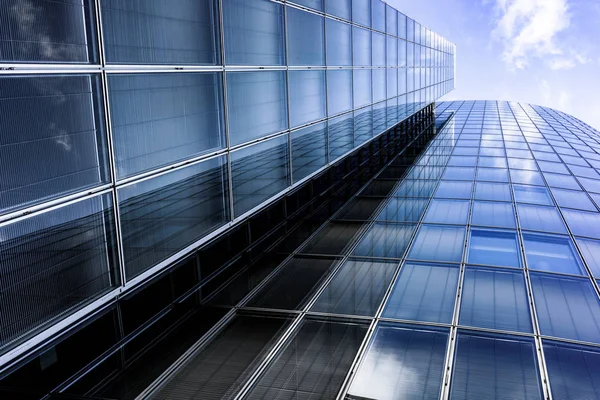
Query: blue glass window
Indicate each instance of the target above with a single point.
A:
(492, 162)
(378, 15)
(309, 150)
(447, 212)
(591, 254)
(176, 116)
(257, 104)
(495, 367)
(254, 32)
(521, 163)
(392, 88)
(378, 49)
(339, 91)
(339, 43)
(361, 46)
(379, 86)
(462, 161)
(438, 243)
(391, 18)
(307, 96)
(305, 37)
(492, 174)
(591, 185)
(383, 377)
(402, 25)
(526, 177)
(357, 288)
(558, 168)
(363, 122)
(392, 51)
(385, 240)
(532, 194)
(566, 307)
(495, 299)
(537, 218)
(423, 293)
(561, 181)
(573, 370)
(259, 172)
(339, 8)
(491, 152)
(454, 190)
(583, 223)
(362, 87)
(361, 12)
(459, 173)
(155, 32)
(552, 254)
(493, 214)
(492, 191)
(403, 210)
(402, 57)
(498, 248)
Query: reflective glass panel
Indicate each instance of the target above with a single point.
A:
(536, 218)
(423, 293)
(573, 370)
(438, 243)
(454, 190)
(162, 215)
(413, 372)
(495, 299)
(339, 91)
(493, 214)
(573, 199)
(552, 254)
(385, 240)
(307, 96)
(583, 223)
(256, 104)
(155, 32)
(361, 46)
(591, 253)
(175, 116)
(532, 194)
(447, 212)
(305, 38)
(339, 43)
(339, 8)
(498, 248)
(361, 12)
(309, 150)
(254, 32)
(361, 87)
(492, 191)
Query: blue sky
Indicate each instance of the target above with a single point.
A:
(544, 52)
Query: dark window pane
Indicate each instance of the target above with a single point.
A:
(385, 240)
(54, 262)
(357, 288)
(309, 150)
(566, 307)
(257, 104)
(315, 360)
(220, 368)
(573, 370)
(495, 299)
(47, 31)
(495, 367)
(156, 32)
(423, 293)
(402, 363)
(175, 116)
(294, 284)
(340, 135)
(163, 215)
(52, 140)
(259, 172)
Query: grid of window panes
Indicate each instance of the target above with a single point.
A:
(497, 294)
(133, 130)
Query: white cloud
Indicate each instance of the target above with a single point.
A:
(530, 29)
(546, 91)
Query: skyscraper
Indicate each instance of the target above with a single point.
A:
(260, 199)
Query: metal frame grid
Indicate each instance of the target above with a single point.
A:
(425, 93)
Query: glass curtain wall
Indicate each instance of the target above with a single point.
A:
(132, 131)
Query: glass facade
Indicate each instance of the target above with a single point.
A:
(133, 131)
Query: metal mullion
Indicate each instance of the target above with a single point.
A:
(544, 378)
(290, 180)
(109, 138)
(157, 68)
